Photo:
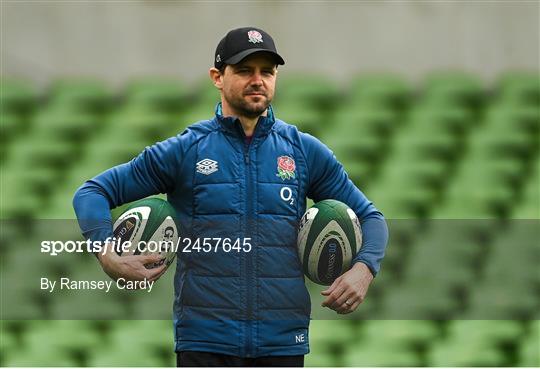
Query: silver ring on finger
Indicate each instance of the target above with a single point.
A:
(348, 303)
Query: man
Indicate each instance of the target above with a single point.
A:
(222, 177)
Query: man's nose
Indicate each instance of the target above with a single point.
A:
(256, 78)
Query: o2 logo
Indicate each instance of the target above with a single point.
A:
(286, 195)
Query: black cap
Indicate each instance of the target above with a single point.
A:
(241, 42)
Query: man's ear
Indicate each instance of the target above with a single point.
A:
(216, 77)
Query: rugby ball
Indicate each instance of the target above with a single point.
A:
(329, 237)
(150, 227)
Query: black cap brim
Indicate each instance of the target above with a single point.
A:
(245, 53)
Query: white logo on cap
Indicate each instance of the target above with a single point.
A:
(218, 58)
(254, 37)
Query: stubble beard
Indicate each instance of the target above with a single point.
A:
(246, 109)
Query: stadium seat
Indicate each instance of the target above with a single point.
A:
(379, 354)
(492, 332)
(305, 118)
(81, 94)
(142, 123)
(40, 356)
(317, 91)
(166, 94)
(367, 121)
(419, 301)
(509, 118)
(453, 120)
(17, 96)
(465, 353)
(67, 126)
(318, 358)
(529, 353)
(69, 336)
(519, 87)
(453, 88)
(496, 299)
(380, 90)
(109, 356)
(343, 329)
(404, 333)
(12, 125)
(34, 152)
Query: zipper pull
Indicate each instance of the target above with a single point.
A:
(246, 157)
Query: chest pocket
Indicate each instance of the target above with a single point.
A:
(278, 199)
(217, 175)
(278, 178)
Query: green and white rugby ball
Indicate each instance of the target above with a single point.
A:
(150, 227)
(329, 237)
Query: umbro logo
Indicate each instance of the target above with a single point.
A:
(207, 166)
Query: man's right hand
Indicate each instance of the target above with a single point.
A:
(130, 267)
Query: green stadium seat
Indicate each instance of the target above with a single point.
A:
(316, 91)
(529, 351)
(415, 301)
(162, 94)
(61, 125)
(514, 143)
(36, 153)
(40, 356)
(11, 125)
(17, 96)
(206, 94)
(148, 125)
(465, 353)
(442, 147)
(18, 202)
(378, 354)
(69, 336)
(414, 201)
(359, 172)
(8, 343)
(158, 334)
(342, 331)
(83, 94)
(38, 181)
(316, 359)
(427, 173)
(492, 332)
(381, 90)
(305, 118)
(125, 357)
(483, 170)
(88, 305)
(454, 120)
(519, 87)
(356, 148)
(377, 122)
(509, 118)
(499, 299)
(453, 88)
(530, 201)
(110, 153)
(482, 197)
(404, 333)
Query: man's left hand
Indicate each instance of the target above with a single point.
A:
(349, 290)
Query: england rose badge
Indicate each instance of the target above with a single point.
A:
(286, 167)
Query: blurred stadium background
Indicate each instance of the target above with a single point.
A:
(433, 108)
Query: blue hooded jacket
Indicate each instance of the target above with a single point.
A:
(247, 304)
